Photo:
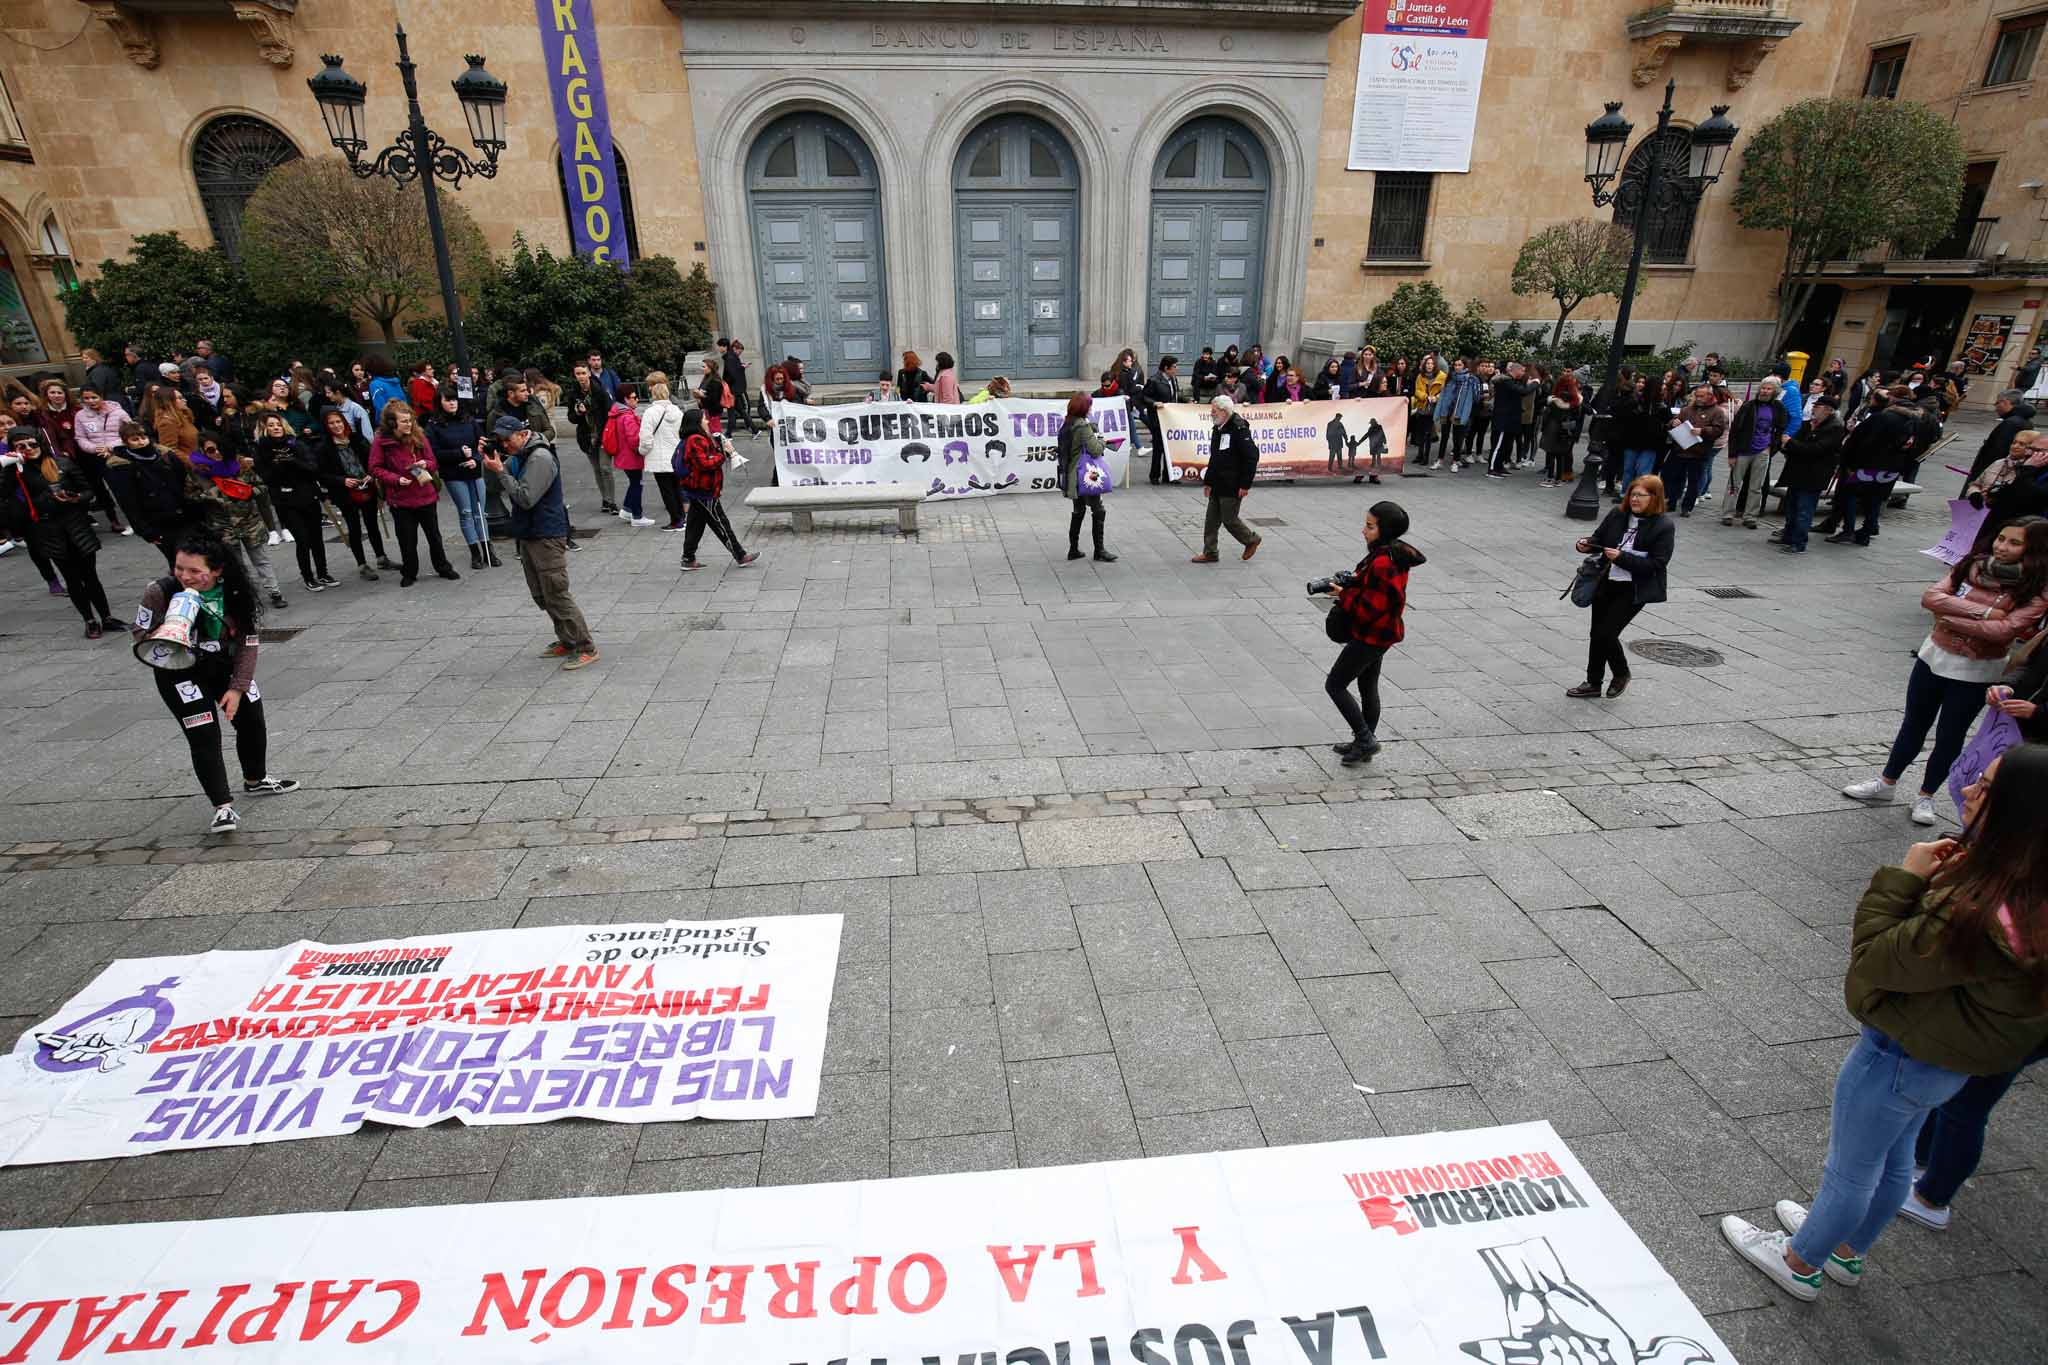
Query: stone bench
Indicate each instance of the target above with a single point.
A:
(800, 502)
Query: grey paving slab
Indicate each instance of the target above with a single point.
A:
(827, 786)
(1220, 832)
(306, 1176)
(1744, 1075)
(1693, 741)
(1768, 794)
(1202, 898)
(582, 870)
(817, 857)
(405, 879)
(1755, 990)
(946, 1073)
(70, 895)
(1514, 815)
(1172, 1057)
(1125, 772)
(1218, 1130)
(1314, 933)
(1301, 1091)
(673, 795)
(1653, 912)
(1131, 947)
(947, 1155)
(939, 961)
(847, 1139)
(460, 803)
(1367, 883)
(1430, 1111)
(568, 1159)
(1610, 952)
(1362, 824)
(1382, 1037)
(224, 888)
(1026, 912)
(737, 1170)
(1434, 965)
(1106, 840)
(1046, 1005)
(857, 1034)
(1522, 751)
(1647, 805)
(1519, 1074)
(1586, 1027)
(1070, 1110)
(1492, 927)
(969, 848)
(661, 1143)
(932, 894)
(1528, 878)
(1249, 989)
(1761, 926)
(1273, 870)
(1707, 1155)
(981, 778)
(1108, 882)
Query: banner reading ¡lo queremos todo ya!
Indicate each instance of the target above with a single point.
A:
(951, 450)
(1349, 436)
(1490, 1244)
(636, 1023)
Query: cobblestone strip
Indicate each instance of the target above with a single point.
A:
(129, 850)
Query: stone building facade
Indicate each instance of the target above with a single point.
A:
(1030, 184)
(1976, 294)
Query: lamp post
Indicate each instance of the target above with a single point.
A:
(420, 152)
(1669, 179)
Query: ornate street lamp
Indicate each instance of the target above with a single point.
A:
(420, 152)
(1669, 179)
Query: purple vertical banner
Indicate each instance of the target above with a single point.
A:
(568, 40)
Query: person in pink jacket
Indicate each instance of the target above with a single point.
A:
(946, 389)
(621, 441)
(404, 469)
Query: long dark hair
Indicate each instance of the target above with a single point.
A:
(2033, 560)
(2002, 867)
(693, 423)
(238, 595)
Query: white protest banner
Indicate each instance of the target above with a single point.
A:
(953, 450)
(637, 1023)
(1964, 522)
(1355, 437)
(1420, 63)
(1491, 1244)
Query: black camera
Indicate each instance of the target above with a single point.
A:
(1344, 579)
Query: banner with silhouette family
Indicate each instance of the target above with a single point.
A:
(634, 1023)
(1353, 437)
(1491, 1244)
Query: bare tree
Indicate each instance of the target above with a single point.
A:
(1572, 262)
(315, 232)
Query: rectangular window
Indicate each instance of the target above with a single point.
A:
(1400, 215)
(2012, 56)
(13, 142)
(1887, 64)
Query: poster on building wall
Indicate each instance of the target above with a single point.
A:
(1491, 1245)
(1984, 344)
(1351, 437)
(1419, 68)
(635, 1023)
(568, 41)
(953, 450)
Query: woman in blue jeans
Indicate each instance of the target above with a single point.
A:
(1948, 972)
(456, 439)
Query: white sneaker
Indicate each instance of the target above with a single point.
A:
(1766, 1251)
(277, 538)
(642, 521)
(1871, 789)
(127, 530)
(1926, 1215)
(225, 821)
(6, 546)
(289, 538)
(624, 515)
(1844, 1270)
(1438, 465)
(1923, 810)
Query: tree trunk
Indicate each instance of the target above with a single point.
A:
(1557, 332)
(386, 323)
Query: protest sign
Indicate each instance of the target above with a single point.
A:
(637, 1023)
(1964, 521)
(1347, 436)
(1491, 1244)
(1416, 102)
(953, 450)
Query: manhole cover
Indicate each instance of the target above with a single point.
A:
(1728, 592)
(1265, 521)
(1676, 653)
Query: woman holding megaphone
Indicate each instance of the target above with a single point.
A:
(196, 628)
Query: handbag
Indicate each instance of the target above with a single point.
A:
(1092, 478)
(1586, 581)
(1996, 733)
(1337, 625)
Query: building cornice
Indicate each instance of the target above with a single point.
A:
(1281, 13)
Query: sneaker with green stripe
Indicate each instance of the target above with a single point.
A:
(1843, 1270)
(1766, 1251)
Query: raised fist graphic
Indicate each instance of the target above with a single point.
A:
(1552, 1321)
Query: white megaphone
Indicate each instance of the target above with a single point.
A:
(170, 644)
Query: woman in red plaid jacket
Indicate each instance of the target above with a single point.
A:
(1366, 620)
(699, 464)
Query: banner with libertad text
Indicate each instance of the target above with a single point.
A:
(952, 450)
(1358, 437)
(637, 1023)
(1489, 1245)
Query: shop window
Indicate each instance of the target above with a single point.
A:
(626, 192)
(1400, 215)
(229, 160)
(1887, 65)
(20, 343)
(2012, 56)
(13, 141)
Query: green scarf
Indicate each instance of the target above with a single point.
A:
(212, 611)
(2003, 574)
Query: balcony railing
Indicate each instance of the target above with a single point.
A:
(1715, 19)
(1969, 240)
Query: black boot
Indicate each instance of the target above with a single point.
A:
(1362, 750)
(491, 556)
(1073, 550)
(1103, 556)
(476, 557)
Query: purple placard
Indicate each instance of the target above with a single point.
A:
(568, 40)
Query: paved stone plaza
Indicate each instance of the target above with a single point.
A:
(1107, 892)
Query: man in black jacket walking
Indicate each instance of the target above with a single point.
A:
(1162, 387)
(1233, 463)
(734, 371)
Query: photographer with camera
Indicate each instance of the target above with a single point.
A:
(1366, 620)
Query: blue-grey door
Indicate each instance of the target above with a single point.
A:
(1017, 223)
(816, 206)
(1208, 239)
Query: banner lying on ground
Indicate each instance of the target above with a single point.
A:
(1297, 440)
(1490, 1244)
(1006, 445)
(638, 1023)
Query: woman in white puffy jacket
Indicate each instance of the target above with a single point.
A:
(661, 428)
